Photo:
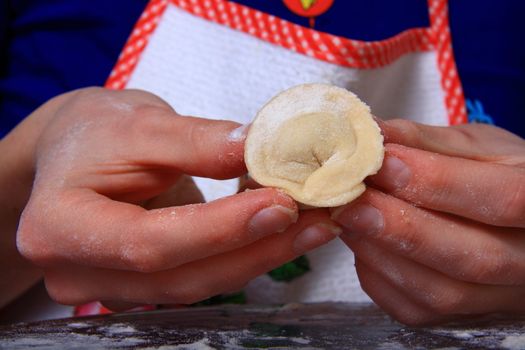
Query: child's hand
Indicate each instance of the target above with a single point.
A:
(441, 234)
(107, 156)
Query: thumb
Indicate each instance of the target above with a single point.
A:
(195, 146)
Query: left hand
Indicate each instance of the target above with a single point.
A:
(440, 233)
(106, 218)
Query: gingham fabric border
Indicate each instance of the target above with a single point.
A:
(322, 46)
(441, 37)
(136, 43)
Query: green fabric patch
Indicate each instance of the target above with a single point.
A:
(290, 270)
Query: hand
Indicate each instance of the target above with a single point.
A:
(102, 222)
(440, 235)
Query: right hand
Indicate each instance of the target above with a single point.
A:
(440, 233)
(104, 160)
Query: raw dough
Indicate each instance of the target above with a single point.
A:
(316, 142)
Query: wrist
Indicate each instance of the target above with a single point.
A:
(18, 150)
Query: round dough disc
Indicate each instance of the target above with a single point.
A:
(316, 142)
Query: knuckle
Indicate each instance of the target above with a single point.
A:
(408, 241)
(403, 124)
(29, 240)
(86, 93)
(513, 208)
(63, 292)
(219, 238)
(142, 98)
(408, 128)
(124, 103)
(466, 133)
(140, 257)
(145, 121)
(450, 302)
(442, 191)
(493, 268)
(24, 241)
(142, 122)
(194, 133)
(89, 97)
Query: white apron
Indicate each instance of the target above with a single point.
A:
(218, 59)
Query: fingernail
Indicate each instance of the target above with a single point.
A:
(314, 236)
(271, 220)
(239, 134)
(394, 174)
(359, 219)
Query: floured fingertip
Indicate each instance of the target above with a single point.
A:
(239, 134)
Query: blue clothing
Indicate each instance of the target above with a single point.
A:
(50, 47)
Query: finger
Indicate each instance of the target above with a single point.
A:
(466, 141)
(391, 300)
(144, 131)
(434, 291)
(185, 191)
(119, 306)
(195, 146)
(247, 182)
(194, 281)
(485, 192)
(110, 234)
(461, 249)
(155, 135)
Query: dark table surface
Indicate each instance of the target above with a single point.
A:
(302, 326)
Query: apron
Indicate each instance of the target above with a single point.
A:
(218, 59)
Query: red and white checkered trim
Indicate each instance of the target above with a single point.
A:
(136, 43)
(322, 46)
(440, 34)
